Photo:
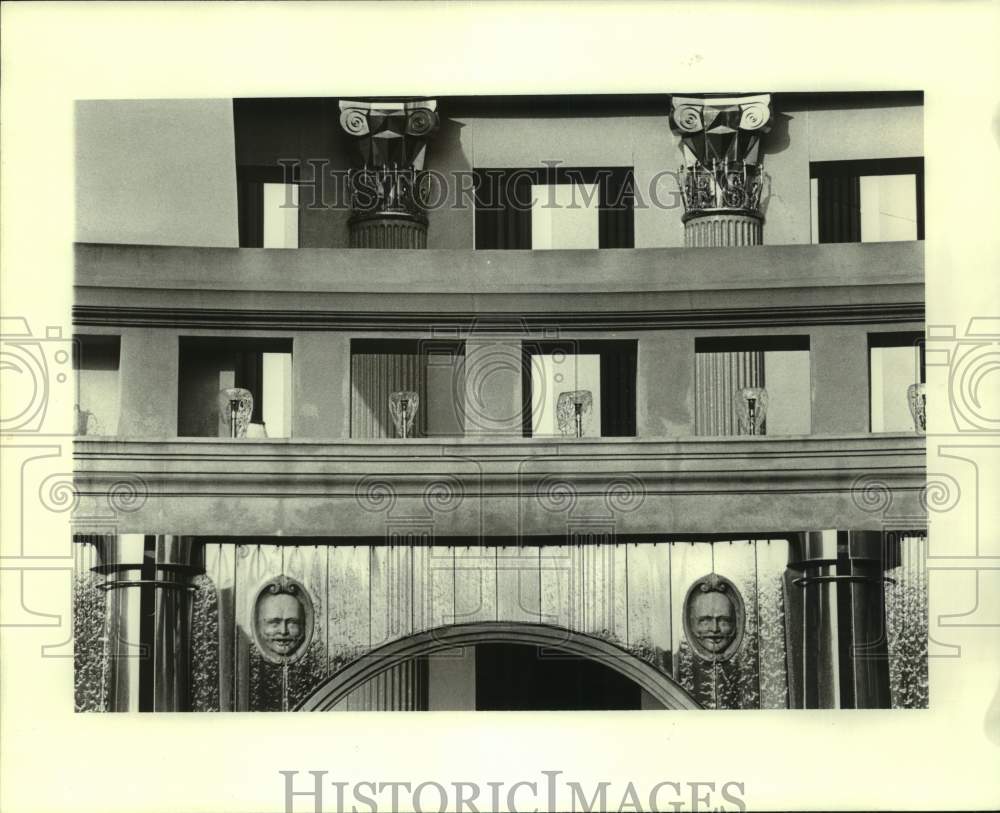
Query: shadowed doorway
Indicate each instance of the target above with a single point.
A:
(515, 677)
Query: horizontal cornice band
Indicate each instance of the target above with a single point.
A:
(242, 319)
(469, 487)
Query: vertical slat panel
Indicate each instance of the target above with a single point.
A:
(649, 602)
(561, 581)
(391, 593)
(442, 570)
(348, 604)
(307, 564)
(738, 679)
(772, 559)
(518, 584)
(475, 584)
(554, 581)
(259, 684)
(619, 609)
(223, 574)
(688, 563)
(599, 580)
(245, 579)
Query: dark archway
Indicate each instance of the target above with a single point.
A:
(662, 688)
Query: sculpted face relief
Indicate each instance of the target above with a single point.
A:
(281, 620)
(714, 620)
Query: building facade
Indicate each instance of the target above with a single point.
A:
(501, 403)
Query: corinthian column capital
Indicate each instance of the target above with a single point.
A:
(722, 179)
(388, 188)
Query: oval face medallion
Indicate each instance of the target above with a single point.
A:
(282, 620)
(714, 618)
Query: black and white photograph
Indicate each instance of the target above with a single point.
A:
(555, 402)
(561, 371)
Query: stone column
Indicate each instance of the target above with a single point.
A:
(148, 628)
(842, 594)
(387, 185)
(722, 178)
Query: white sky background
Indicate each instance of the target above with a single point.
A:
(893, 370)
(564, 216)
(281, 215)
(54, 53)
(552, 374)
(888, 208)
(789, 394)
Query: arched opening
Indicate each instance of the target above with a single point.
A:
(587, 661)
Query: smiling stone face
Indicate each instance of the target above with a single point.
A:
(281, 623)
(714, 617)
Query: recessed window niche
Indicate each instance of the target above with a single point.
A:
(432, 369)
(724, 366)
(577, 388)
(96, 360)
(895, 363)
(210, 364)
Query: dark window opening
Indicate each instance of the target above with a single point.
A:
(503, 198)
(208, 365)
(432, 368)
(251, 214)
(516, 677)
(868, 200)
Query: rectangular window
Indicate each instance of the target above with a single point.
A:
(895, 361)
(779, 364)
(870, 201)
(579, 388)
(268, 207)
(554, 207)
(433, 369)
(209, 365)
(96, 361)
